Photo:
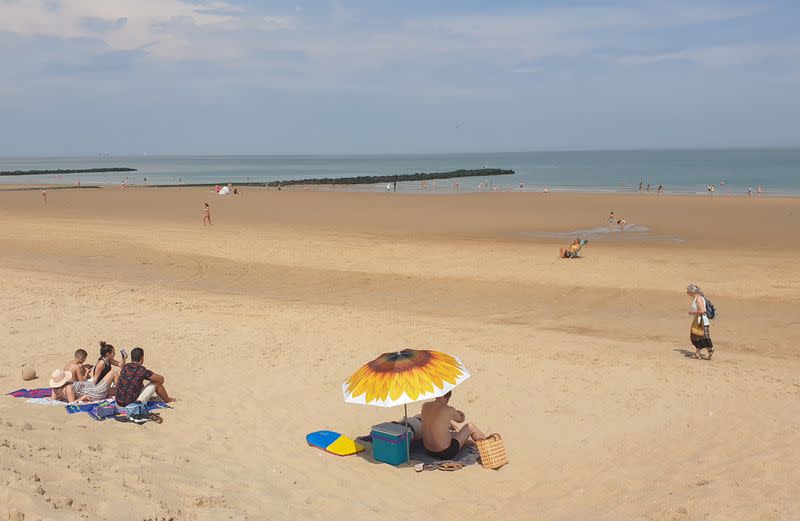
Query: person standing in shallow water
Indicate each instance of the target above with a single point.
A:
(698, 332)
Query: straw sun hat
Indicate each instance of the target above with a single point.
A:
(59, 378)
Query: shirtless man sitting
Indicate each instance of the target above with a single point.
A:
(437, 437)
(77, 368)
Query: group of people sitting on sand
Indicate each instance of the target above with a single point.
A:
(109, 377)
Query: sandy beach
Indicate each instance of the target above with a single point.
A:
(582, 365)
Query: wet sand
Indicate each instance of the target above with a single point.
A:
(581, 365)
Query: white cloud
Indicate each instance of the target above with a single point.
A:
(161, 25)
(720, 55)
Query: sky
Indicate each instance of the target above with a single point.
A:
(272, 77)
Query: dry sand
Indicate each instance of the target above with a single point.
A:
(255, 322)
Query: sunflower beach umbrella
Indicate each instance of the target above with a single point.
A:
(404, 377)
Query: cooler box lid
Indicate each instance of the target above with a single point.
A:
(391, 429)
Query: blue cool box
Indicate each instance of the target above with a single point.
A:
(390, 443)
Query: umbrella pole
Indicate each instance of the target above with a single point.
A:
(408, 441)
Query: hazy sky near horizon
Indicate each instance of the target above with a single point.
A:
(273, 77)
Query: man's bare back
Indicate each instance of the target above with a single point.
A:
(437, 419)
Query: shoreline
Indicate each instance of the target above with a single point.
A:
(404, 190)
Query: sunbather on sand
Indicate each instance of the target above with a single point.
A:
(78, 370)
(61, 386)
(437, 419)
(130, 384)
(575, 246)
(107, 363)
(65, 390)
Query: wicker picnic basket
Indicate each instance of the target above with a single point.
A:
(492, 452)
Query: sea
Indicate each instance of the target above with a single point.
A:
(690, 171)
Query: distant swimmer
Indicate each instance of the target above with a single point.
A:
(206, 215)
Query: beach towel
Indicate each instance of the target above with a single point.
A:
(31, 393)
(466, 456)
(44, 401)
(90, 407)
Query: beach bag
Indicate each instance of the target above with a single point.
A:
(136, 409)
(492, 452)
(697, 327)
(711, 310)
(106, 411)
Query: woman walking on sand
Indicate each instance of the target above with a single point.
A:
(206, 215)
(698, 332)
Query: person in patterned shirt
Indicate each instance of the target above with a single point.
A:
(130, 384)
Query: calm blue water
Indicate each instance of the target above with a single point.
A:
(680, 171)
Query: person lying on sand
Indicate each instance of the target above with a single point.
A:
(437, 420)
(65, 390)
(130, 383)
(61, 386)
(76, 367)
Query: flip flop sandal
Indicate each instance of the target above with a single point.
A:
(449, 466)
(419, 467)
(155, 417)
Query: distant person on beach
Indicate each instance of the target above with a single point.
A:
(641, 184)
(130, 383)
(621, 224)
(698, 332)
(571, 251)
(438, 418)
(750, 190)
(611, 221)
(722, 187)
(44, 196)
(660, 189)
(648, 187)
(388, 187)
(758, 190)
(207, 214)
